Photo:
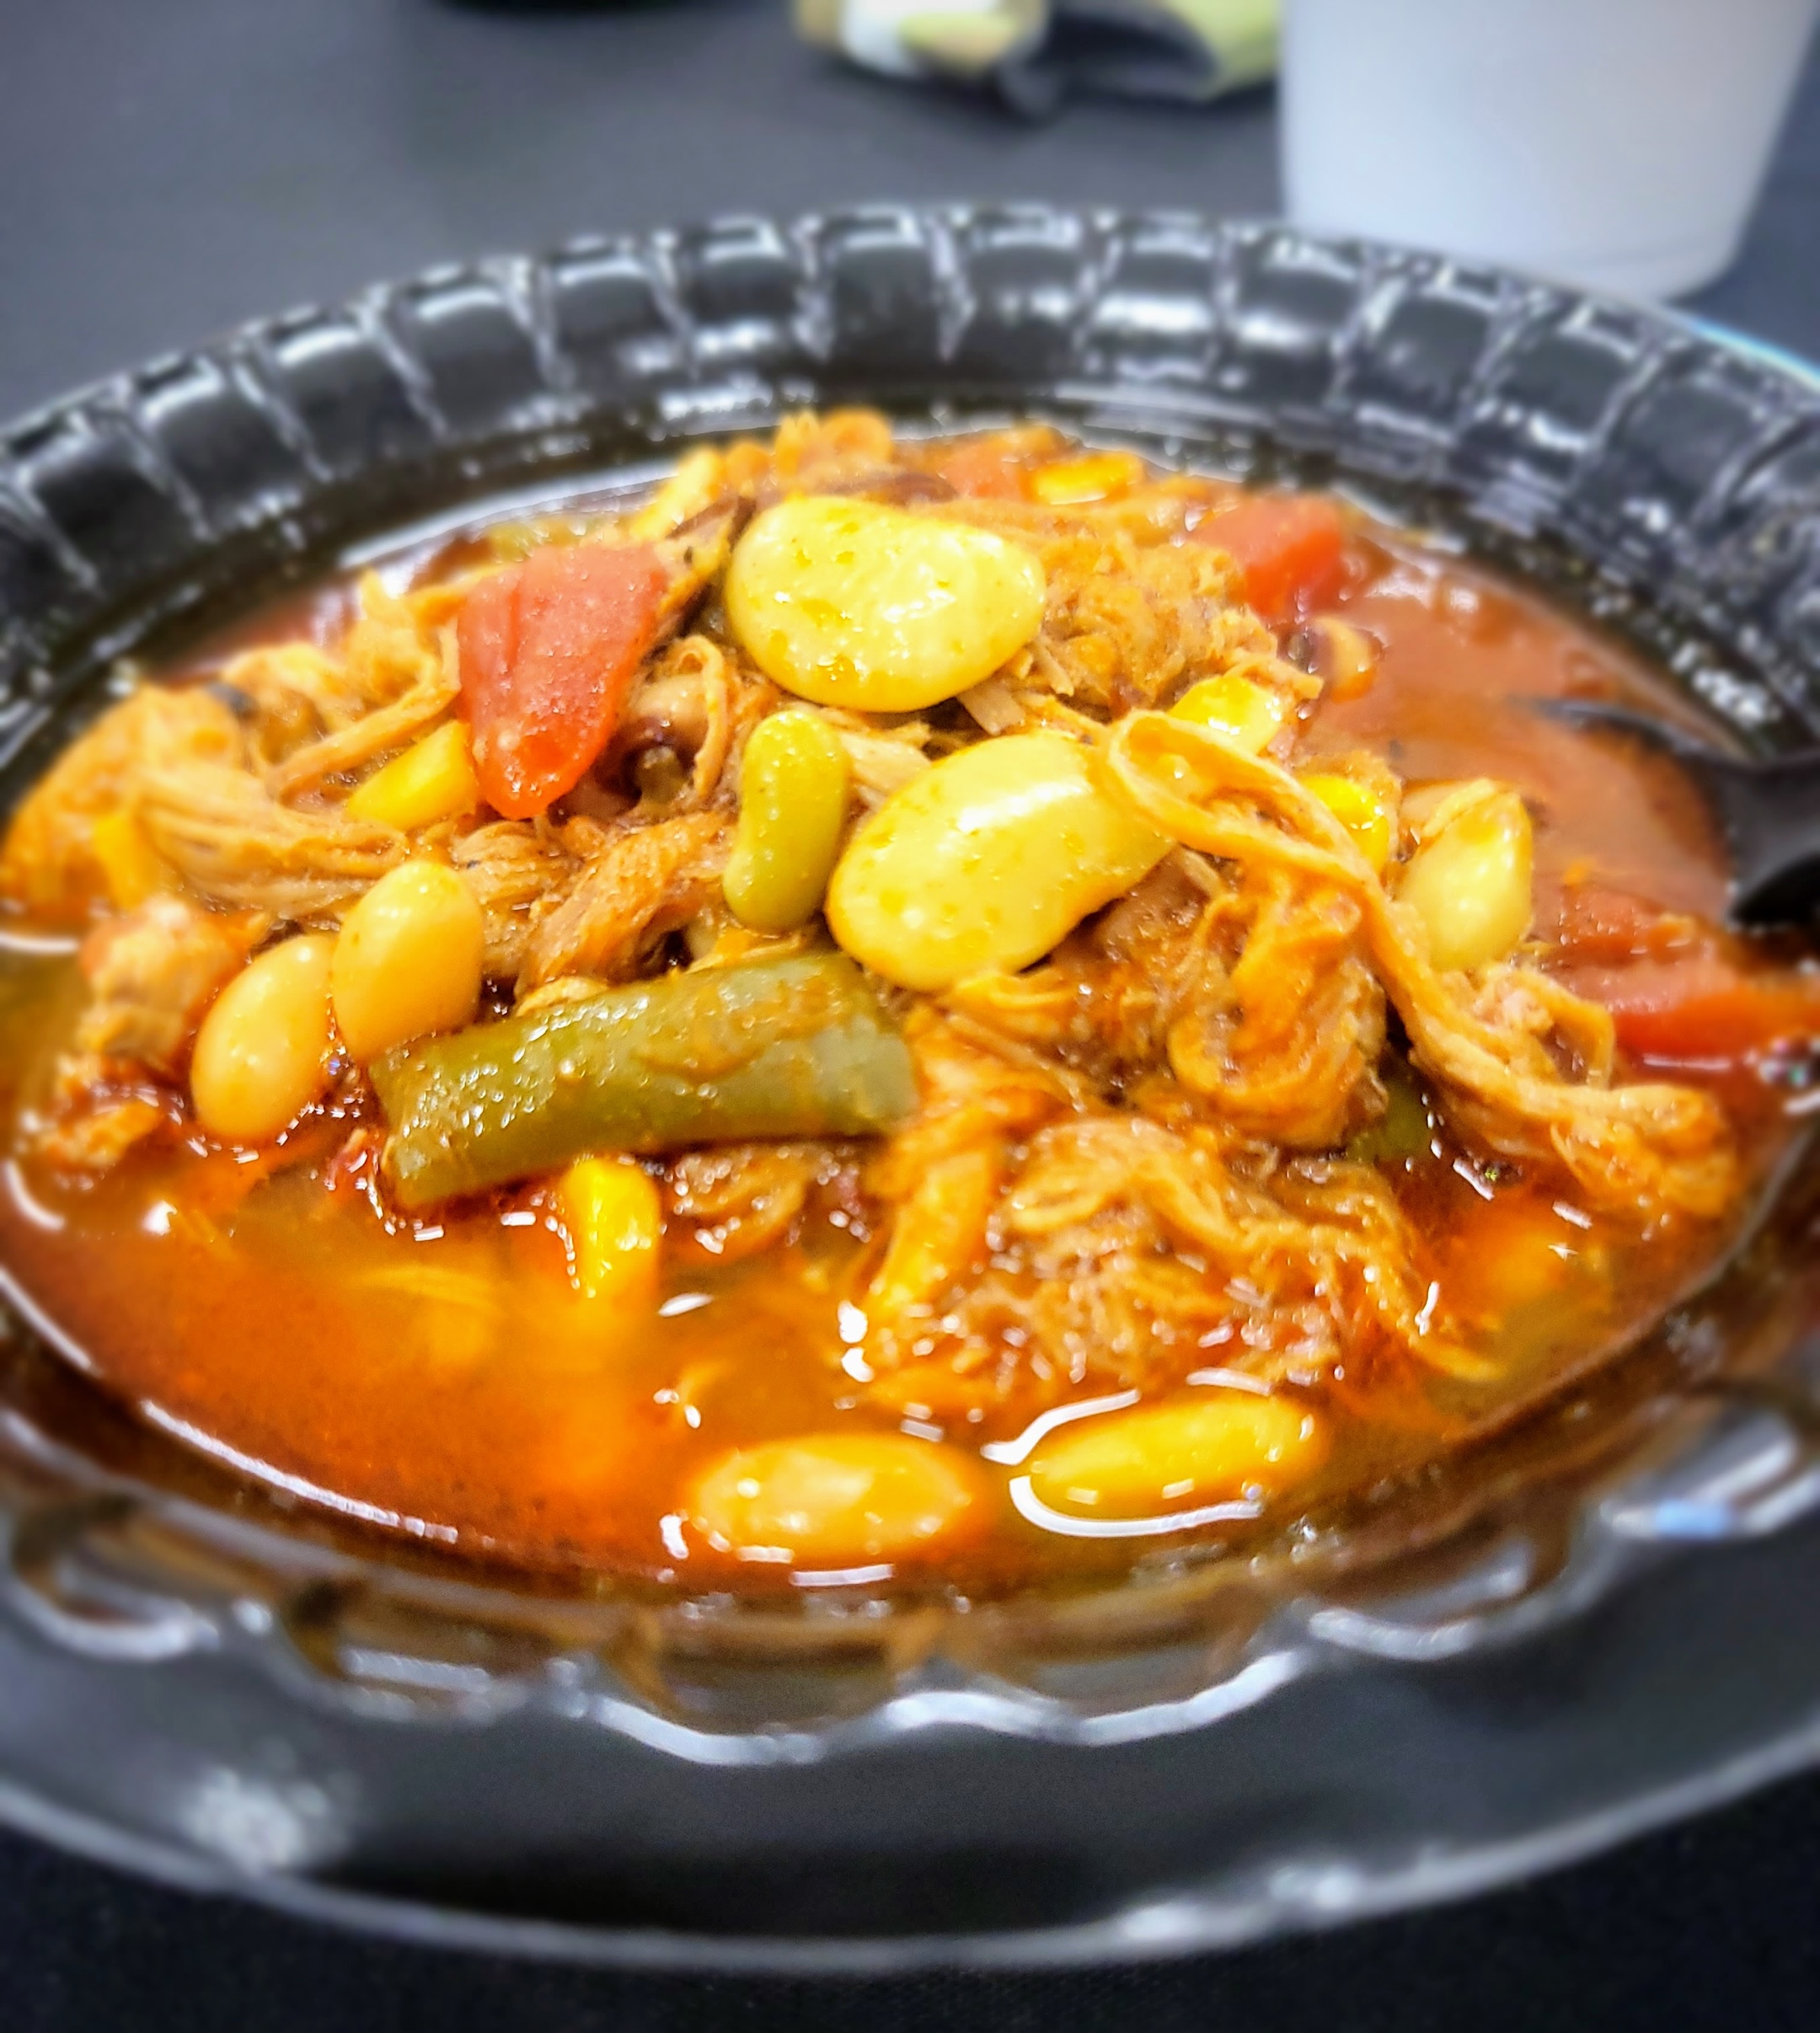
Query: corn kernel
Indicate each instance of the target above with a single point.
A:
(614, 1222)
(433, 779)
(986, 862)
(1245, 713)
(793, 785)
(1095, 476)
(131, 867)
(1360, 810)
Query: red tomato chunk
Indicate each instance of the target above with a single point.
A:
(1702, 1010)
(548, 652)
(1290, 548)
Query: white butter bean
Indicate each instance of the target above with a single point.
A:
(1212, 1447)
(409, 959)
(1470, 881)
(262, 1054)
(985, 862)
(852, 603)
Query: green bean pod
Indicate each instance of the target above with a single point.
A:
(798, 1047)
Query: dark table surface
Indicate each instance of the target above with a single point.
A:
(167, 169)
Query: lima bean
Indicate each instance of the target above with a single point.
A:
(852, 603)
(793, 784)
(986, 862)
(1215, 1446)
(832, 1499)
(262, 1054)
(1469, 882)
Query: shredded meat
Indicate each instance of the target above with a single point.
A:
(1129, 1161)
(695, 701)
(289, 694)
(96, 1125)
(1036, 1235)
(364, 740)
(883, 759)
(1131, 617)
(517, 868)
(643, 883)
(234, 843)
(1255, 997)
(297, 695)
(49, 864)
(737, 1199)
(1640, 1150)
(151, 975)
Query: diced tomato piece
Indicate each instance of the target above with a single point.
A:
(1703, 1009)
(984, 469)
(548, 652)
(1290, 548)
(1601, 924)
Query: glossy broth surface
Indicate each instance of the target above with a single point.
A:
(438, 1376)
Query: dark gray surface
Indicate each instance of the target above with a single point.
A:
(174, 166)
(168, 166)
(1706, 1930)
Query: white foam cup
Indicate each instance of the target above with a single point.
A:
(1618, 144)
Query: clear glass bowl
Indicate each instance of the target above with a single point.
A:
(1601, 1618)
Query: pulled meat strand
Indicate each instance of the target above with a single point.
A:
(49, 864)
(643, 883)
(234, 843)
(386, 728)
(1642, 1150)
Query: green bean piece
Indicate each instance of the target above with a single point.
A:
(798, 1047)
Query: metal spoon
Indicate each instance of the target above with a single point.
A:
(1769, 810)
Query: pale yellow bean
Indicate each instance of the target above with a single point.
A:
(793, 784)
(852, 603)
(407, 960)
(613, 1219)
(1215, 1446)
(986, 862)
(836, 1499)
(262, 1054)
(1470, 881)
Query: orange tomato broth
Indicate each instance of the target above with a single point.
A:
(441, 1379)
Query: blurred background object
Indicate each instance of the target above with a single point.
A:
(1619, 144)
(1035, 52)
